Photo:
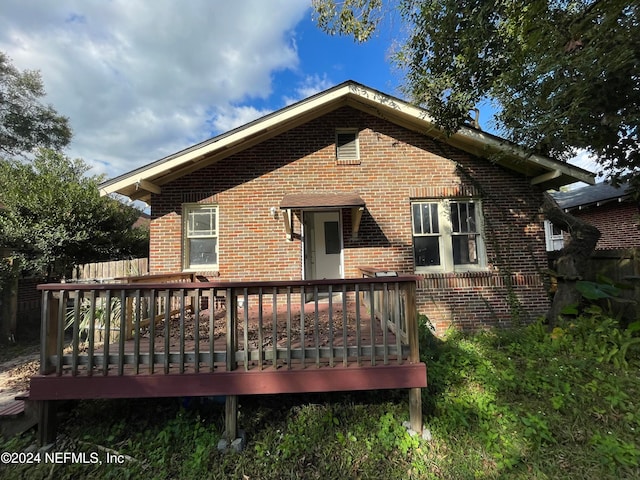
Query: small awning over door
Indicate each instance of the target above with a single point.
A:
(323, 200)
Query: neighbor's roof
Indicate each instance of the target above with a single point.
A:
(140, 183)
(592, 195)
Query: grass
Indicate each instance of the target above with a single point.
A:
(523, 404)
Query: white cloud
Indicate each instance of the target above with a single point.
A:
(229, 118)
(311, 85)
(586, 160)
(140, 80)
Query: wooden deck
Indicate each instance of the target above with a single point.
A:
(151, 340)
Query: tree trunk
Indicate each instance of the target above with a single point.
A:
(571, 265)
(8, 307)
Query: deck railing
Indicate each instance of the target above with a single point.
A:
(162, 328)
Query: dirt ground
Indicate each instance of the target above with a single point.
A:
(15, 373)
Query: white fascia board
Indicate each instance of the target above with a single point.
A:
(491, 142)
(227, 141)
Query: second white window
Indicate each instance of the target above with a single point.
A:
(447, 235)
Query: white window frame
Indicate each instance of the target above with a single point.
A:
(187, 209)
(446, 235)
(554, 241)
(348, 131)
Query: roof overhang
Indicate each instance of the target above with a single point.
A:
(141, 183)
(321, 201)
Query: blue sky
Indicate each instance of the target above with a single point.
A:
(142, 79)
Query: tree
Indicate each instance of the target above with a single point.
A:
(54, 217)
(563, 74)
(26, 123)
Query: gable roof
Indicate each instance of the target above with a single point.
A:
(592, 195)
(140, 183)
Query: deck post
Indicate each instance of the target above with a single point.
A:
(415, 394)
(47, 422)
(231, 418)
(48, 331)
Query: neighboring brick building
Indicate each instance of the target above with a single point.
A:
(352, 177)
(612, 210)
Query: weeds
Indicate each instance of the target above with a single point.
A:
(524, 403)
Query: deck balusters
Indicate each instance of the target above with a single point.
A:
(182, 312)
(345, 352)
(136, 333)
(245, 332)
(114, 310)
(303, 344)
(152, 330)
(274, 338)
(106, 332)
(288, 328)
(398, 328)
(232, 334)
(316, 326)
(76, 333)
(384, 324)
(260, 327)
(358, 333)
(167, 328)
(372, 326)
(122, 330)
(92, 330)
(331, 321)
(195, 302)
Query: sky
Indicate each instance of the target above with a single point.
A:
(140, 80)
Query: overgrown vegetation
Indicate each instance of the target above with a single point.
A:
(523, 403)
(53, 216)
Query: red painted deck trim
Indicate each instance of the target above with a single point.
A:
(237, 382)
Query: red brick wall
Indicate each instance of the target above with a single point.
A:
(397, 165)
(618, 223)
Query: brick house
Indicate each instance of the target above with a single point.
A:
(352, 178)
(611, 210)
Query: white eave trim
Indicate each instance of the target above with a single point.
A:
(349, 93)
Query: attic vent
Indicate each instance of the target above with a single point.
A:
(347, 145)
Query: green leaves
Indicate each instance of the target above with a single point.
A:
(54, 216)
(357, 18)
(597, 291)
(26, 123)
(564, 75)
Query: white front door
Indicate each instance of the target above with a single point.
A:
(323, 245)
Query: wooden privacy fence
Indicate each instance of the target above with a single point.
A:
(111, 270)
(622, 266)
(619, 265)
